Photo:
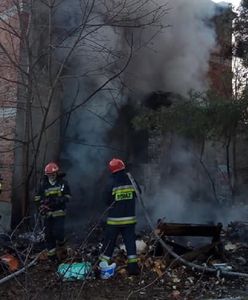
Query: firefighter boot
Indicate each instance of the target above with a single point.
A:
(61, 249)
(133, 269)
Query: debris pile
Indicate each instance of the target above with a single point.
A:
(168, 277)
(237, 232)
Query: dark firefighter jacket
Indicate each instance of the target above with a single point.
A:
(121, 197)
(54, 196)
(1, 185)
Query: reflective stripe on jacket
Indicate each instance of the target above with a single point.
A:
(56, 213)
(123, 192)
(54, 196)
(122, 221)
(121, 197)
(53, 191)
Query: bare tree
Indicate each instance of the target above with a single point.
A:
(39, 47)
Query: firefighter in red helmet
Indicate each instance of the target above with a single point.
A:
(120, 196)
(116, 165)
(53, 194)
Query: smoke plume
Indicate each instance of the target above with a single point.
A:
(169, 49)
(177, 59)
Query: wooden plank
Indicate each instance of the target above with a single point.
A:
(177, 229)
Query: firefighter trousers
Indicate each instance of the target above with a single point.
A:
(128, 234)
(54, 233)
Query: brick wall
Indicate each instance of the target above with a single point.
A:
(9, 56)
(9, 60)
(220, 65)
(32, 102)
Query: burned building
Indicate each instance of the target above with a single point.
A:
(65, 105)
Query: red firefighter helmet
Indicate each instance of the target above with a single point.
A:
(116, 165)
(51, 168)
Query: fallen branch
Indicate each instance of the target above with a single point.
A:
(7, 278)
(171, 252)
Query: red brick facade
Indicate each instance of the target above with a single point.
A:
(220, 65)
(9, 60)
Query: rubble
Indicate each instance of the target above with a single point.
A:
(222, 267)
(32, 237)
(169, 231)
(162, 277)
(230, 247)
(237, 232)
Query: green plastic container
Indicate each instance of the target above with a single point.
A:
(74, 271)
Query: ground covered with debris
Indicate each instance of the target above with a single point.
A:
(42, 283)
(161, 277)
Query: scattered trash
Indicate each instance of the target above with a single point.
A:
(10, 262)
(222, 267)
(237, 231)
(20, 271)
(230, 247)
(74, 271)
(171, 279)
(141, 247)
(107, 270)
(32, 237)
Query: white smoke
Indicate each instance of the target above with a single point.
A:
(177, 59)
(173, 206)
(188, 189)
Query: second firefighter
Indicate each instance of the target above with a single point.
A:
(120, 196)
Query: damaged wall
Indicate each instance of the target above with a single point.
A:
(157, 48)
(174, 59)
(182, 175)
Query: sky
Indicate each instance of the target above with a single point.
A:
(235, 3)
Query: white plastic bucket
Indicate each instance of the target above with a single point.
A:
(107, 271)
